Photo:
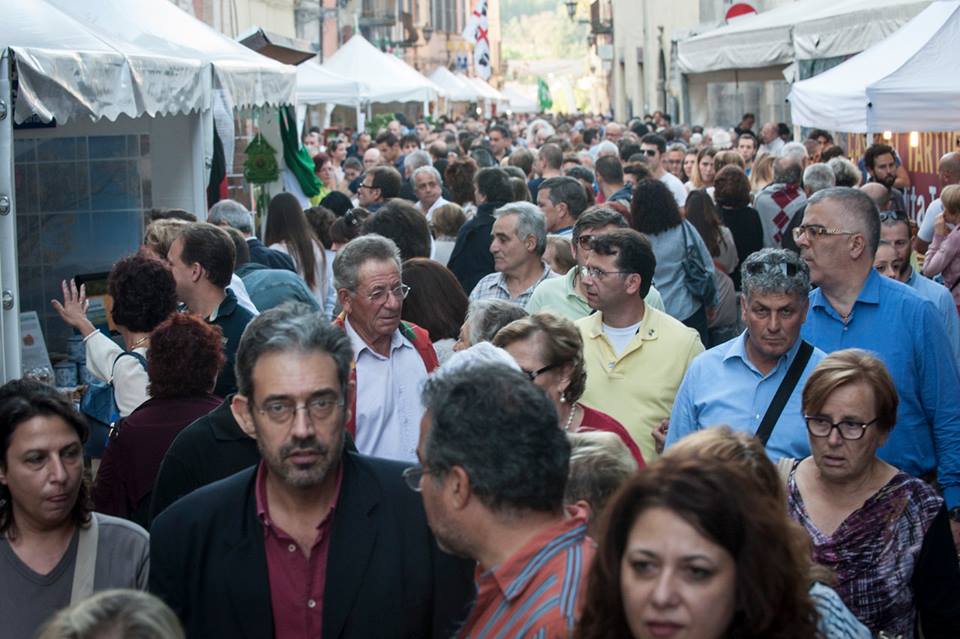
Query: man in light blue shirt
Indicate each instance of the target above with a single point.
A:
(856, 307)
(734, 383)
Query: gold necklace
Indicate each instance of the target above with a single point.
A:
(139, 342)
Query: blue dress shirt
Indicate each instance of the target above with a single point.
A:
(943, 300)
(722, 386)
(905, 331)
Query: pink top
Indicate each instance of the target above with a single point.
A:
(942, 257)
(595, 420)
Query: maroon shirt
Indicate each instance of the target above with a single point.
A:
(297, 583)
(595, 420)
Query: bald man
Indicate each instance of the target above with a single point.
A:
(613, 132)
(878, 193)
(949, 173)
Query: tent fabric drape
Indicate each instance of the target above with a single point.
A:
(295, 156)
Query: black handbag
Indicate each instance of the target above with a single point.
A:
(698, 279)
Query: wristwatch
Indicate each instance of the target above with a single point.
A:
(954, 514)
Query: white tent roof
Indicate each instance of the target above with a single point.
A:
(246, 77)
(386, 78)
(899, 84)
(316, 85)
(520, 103)
(453, 87)
(67, 70)
(807, 29)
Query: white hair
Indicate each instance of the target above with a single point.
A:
(480, 353)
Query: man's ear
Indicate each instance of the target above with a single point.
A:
(196, 272)
(343, 296)
(457, 488)
(240, 407)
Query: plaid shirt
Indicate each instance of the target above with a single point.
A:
(493, 286)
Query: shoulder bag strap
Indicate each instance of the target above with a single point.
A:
(784, 466)
(85, 567)
(784, 391)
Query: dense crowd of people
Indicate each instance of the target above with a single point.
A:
(517, 377)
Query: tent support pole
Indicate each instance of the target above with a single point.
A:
(10, 365)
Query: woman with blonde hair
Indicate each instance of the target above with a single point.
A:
(703, 170)
(129, 614)
(762, 173)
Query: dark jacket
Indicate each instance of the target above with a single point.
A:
(270, 287)
(209, 449)
(386, 578)
(130, 463)
(232, 319)
(471, 258)
(747, 230)
(271, 258)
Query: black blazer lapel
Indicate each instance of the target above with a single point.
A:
(246, 580)
(352, 542)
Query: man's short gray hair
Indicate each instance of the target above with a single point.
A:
(530, 221)
(426, 169)
(676, 146)
(794, 151)
(845, 172)
(775, 271)
(787, 171)
(486, 317)
(356, 252)
(858, 206)
(817, 177)
(233, 214)
(415, 160)
(606, 148)
(291, 328)
(599, 463)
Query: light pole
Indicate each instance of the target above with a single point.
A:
(571, 8)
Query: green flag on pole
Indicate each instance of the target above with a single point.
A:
(543, 95)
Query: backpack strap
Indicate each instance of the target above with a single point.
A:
(85, 567)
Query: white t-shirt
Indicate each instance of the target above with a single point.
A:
(676, 187)
(620, 337)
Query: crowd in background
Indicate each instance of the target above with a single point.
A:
(519, 377)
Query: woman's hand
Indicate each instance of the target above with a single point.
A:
(74, 307)
(940, 226)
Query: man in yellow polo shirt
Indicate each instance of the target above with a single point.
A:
(635, 355)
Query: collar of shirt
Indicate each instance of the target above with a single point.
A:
(738, 350)
(869, 294)
(912, 280)
(501, 284)
(570, 284)
(227, 306)
(647, 330)
(513, 575)
(263, 508)
(359, 345)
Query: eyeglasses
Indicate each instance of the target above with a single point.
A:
(537, 373)
(822, 427)
(598, 274)
(413, 476)
(584, 241)
(649, 152)
(786, 268)
(813, 231)
(367, 186)
(379, 295)
(893, 216)
(282, 411)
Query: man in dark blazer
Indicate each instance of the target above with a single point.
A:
(470, 259)
(316, 540)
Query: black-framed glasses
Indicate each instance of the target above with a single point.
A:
(893, 216)
(822, 427)
(413, 476)
(379, 295)
(282, 411)
(537, 373)
(598, 273)
(786, 268)
(813, 231)
(366, 186)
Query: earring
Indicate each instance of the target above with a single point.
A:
(563, 397)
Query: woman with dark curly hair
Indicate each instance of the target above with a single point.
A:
(144, 294)
(48, 535)
(185, 357)
(436, 302)
(459, 178)
(655, 214)
(732, 195)
(696, 548)
(549, 350)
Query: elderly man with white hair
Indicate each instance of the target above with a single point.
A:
(816, 177)
(428, 188)
(779, 202)
(519, 239)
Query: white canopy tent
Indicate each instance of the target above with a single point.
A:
(385, 78)
(136, 93)
(487, 93)
(520, 103)
(455, 89)
(897, 85)
(318, 85)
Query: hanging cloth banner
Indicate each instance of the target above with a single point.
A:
(295, 156)
(476, 33)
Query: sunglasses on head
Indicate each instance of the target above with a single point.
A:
(786, 268)
(893, 216)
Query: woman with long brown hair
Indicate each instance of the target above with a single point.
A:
(289, 231)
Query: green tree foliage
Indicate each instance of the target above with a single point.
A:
(541, 30)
